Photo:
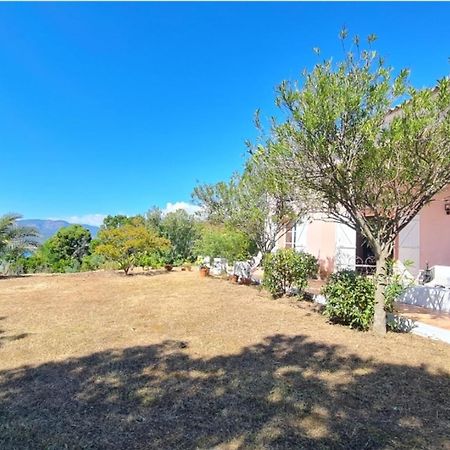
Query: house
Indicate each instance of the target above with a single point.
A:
(425, 240)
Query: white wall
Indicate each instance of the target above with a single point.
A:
(409, 245)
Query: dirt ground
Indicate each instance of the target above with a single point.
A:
(174, 361)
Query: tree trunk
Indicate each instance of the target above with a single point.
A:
(379, 319)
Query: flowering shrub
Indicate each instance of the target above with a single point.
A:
(286, 270)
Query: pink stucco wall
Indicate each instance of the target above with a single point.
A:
(435, 232)
(321, 242)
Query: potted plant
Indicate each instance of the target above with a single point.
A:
(204, 270)
(168, 262)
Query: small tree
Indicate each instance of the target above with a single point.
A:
(67, 248)
(126, 243)
(182, 230)
(258, 203)
(224, 242)
(287, 269)
(373, 164)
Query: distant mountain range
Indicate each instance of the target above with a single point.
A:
(47, 228)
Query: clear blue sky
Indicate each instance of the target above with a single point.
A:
(113, 108)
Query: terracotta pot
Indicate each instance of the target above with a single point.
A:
(168, 267)
(204, 271)
(234, 278)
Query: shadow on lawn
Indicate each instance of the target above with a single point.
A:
(286, 392)
(5, 338)
(15, 337)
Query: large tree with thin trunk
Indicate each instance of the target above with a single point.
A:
(257, 202)
(373, 148)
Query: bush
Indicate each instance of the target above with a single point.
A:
(151, 260)
(35, 263)
(351, 298)
(224, 242)
(92, 262)
(286, 270)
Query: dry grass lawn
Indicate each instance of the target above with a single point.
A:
(173, 361)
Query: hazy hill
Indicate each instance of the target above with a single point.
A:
(47, 228)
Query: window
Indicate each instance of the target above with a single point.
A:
(290, 235)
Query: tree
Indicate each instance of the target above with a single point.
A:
(126, 243)
(257, 203)
(15, 239)
(67, 248)
(220, 241)
(120, 220)
(181, 228)
(373, 163)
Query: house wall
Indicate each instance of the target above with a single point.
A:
(425, 239)
(321, 242)
(435, 232)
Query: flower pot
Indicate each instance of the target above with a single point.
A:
(234, 278)
(168, 267)
(204, 271)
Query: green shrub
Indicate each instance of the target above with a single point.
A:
(35, 263)
(92, 262)
(223, 242)
(351, 298)
(151, 260)
(286, 270)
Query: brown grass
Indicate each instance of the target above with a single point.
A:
(169, 360)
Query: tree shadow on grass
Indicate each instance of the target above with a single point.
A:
(286, 392)
(15, 337)
(150, 273)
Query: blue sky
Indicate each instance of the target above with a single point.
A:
(113, 108)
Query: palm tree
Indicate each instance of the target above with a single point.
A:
(15, 238)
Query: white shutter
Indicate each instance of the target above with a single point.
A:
(300, 235)
(345, 247)
(409, 245)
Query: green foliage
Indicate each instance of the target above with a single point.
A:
(153, 260)
(287, 269)
(182, 230)
(15, 236)
(92, 262)
(15, 240)
(125, 244)
(35, 263)
(351, 298)
(217, 241)
(116, 221)
(65, 250)
(257, 202)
